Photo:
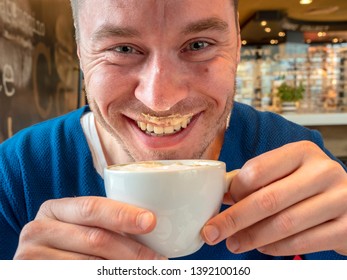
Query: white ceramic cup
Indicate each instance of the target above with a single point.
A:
(183, 194)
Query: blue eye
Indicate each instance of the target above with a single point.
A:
(198, 45)
(125, 49)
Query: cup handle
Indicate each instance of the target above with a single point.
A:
(229, 177)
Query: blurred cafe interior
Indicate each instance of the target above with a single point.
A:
(293, 62)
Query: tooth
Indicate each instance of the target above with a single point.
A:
(184, 123)
(150, 127)
(188, 122)
(143, 126)
(177, 127)
(175, 122)
(158, 130)
(168, 130)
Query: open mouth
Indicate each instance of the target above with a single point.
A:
(162, 126)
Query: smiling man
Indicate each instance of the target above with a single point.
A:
(160, 81)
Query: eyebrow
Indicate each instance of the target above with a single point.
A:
(212, 23)
(108, 31)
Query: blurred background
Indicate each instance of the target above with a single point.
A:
(294, 62)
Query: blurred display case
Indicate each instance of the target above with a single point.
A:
(322, 70)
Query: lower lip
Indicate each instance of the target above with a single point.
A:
(165, 141)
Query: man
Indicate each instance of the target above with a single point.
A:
(146, 62)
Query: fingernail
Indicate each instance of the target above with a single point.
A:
(233, 244)
(144, 220)
(211, 233)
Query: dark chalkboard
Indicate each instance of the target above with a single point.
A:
(39, 73)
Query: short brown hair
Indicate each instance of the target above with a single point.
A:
(76, 5)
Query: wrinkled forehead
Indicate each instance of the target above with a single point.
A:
(154, 14)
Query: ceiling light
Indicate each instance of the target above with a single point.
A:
(273, 42)
(308, 41)
(321, 34)
(267, 29)
(263, 23)
(244, 42)
(281, 34)
(335, 40)
(305, 2)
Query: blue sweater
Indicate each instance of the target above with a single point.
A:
(52, 160)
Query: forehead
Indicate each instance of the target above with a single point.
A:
(148, 14)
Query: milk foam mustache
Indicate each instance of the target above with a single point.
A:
(160, 126)
(183, 195)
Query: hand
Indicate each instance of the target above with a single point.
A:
(86, 228)
(289, 201)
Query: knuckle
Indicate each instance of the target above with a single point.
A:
(97, 238)
(267, 201)
(251, 171)
(121, 215)
(45, 209)
(331, 169)
(335, 169)
(87, 207)
(31, 230)
(230, 221)
(308, 149)
(308, 146)
(284, 224)
(250, 236)
(26, 246)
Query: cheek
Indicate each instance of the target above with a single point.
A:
(216, 80)
(105, 86)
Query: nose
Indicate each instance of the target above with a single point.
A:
(161, 84)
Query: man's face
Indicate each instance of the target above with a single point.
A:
(160, 74)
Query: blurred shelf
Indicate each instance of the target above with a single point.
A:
(317, 119)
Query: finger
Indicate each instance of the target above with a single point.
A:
(99, 212)
(34, 242)
(227, 198)
(328, 236)
(264, 203)
(270, 167)
(83, 242)
(288, 222)
(44, 253)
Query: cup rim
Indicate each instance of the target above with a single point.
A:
(208, 164)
